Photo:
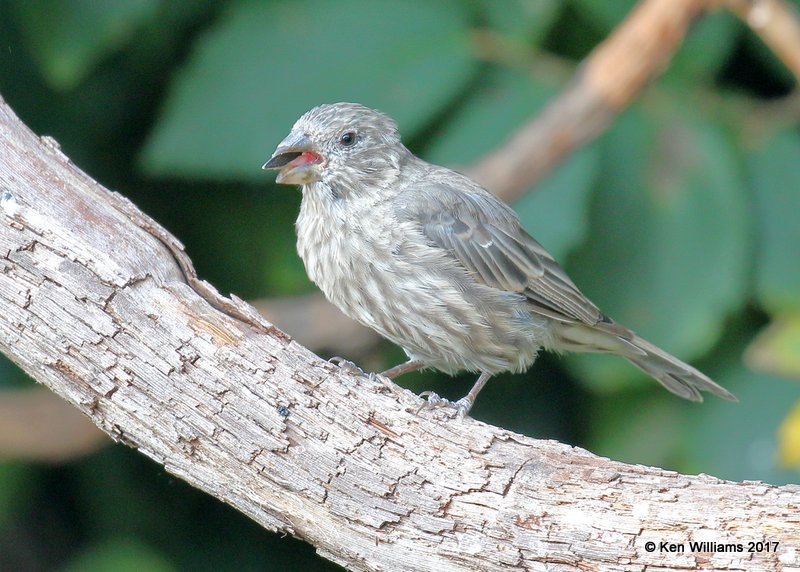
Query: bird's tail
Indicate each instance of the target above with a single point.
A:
(678, 377)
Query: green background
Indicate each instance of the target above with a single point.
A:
(682, 222)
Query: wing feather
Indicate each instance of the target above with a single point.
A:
(485, 236)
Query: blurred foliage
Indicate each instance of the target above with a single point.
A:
(276, 77)
(668, 244)
(55, 34)
(789, 433)
(777, 348)
(120, 556)
(682, 222)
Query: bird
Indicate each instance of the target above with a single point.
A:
(437, 264)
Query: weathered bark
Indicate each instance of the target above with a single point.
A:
(96, 308)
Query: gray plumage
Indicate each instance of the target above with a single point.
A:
(437, 264)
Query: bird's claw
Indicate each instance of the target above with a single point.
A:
(434, 400)
(349, 367)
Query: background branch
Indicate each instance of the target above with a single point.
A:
(35, 425)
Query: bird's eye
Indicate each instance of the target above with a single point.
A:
(347, 139)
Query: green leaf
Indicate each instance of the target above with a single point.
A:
(605, 14)
(16, 484)
(265, 64)
(120, 556)
(668, 247)
(773, 177)
(56, 32)
(522, 19)
(556, 211)
(503, 100)
(704, 50)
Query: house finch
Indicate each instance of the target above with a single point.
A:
(437, 264)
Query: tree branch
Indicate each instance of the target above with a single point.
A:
(97, 309)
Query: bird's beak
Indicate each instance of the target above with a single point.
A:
(297, 161)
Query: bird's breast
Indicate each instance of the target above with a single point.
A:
(344, 255)
(381, 272)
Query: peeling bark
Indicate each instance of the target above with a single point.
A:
(97, 307)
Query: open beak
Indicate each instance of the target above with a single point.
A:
(298, 163)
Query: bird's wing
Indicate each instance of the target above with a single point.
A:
(487, 239)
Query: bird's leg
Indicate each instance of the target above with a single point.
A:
(463, 405)
(468, 400)
(410, 365)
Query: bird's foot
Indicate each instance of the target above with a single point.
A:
(460, 408)
(349, 367)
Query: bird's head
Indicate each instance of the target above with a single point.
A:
(345, 145)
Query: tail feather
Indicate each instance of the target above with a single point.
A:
(678, 377)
